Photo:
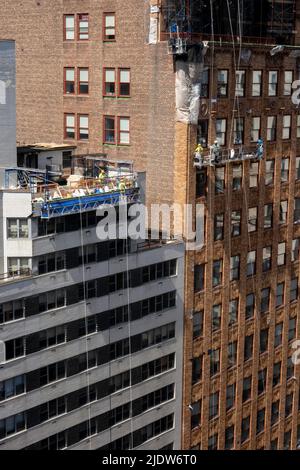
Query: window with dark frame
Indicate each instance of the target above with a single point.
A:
(83, 81)
(69, 27)
(83, 26)
(109, 26)
(69, 80)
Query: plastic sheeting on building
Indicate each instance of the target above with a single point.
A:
(153, 30)
(189, 69)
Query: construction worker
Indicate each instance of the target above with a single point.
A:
(214, 153)
(122, 186)
(101, 176)
(198, 157)
(260, 149)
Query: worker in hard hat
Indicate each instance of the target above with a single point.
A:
(260, 149)
(101, 176)
(198, 157)
(214, 153)
(122, 185)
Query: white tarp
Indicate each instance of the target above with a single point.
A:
(153, 30)
(188, 85)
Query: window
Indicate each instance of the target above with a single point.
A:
(287, 440)
(216, 317)
(124, 131)
(12, 387)
(109, 82)
(15, 348)
(256, 82)
(11, 311)
(83, 27)
(252, 219)
(295, 250)
(281, 254)
(260, 424)
(251, 263)
(221, 126)
(213, 442)
(67, 159)
(247, 385)
(232, 354)
(275, 412)
(276, 374)
(214, 362)
(285, 166)
(248, 351)
(280, 294)
(124, 82)
(270, 165)
(250, 306)
(199, 277)
(235, 268)
(286, 130)
(69, 27)
(204, 91)
(222, 83)
(69, 82)
(297, 210)
(283, 212)
(219, 227)
(217, 272)
(261, 382)
(12, 425)
(201, 183)
(292, 328)
(288, 81)
(290, 372)
(253, 174)
(69, 126)
(220, 180)
(268, 216)
(196, 370)
(273, 83)
(83, 127)
(245, 429)
(271, 128)
(298, 126)
(236, 217)
(278, 335)
(202, 131)
(109, 26)
(17, 228)
(18, 266)
(263, 342)
(230, 397)
(238, 131)
(196, 414)
(237, 172)
(197, 324)
(294, 290)
(267, 259)
(233, 312)
(265, 300)
(240, 83)
(213, 405)
(297, 173)
(83, 81)
(229, 438)
(109, 130)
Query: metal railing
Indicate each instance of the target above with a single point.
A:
(16, 275)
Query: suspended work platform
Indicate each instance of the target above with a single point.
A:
(219, 157)
(91, 184)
